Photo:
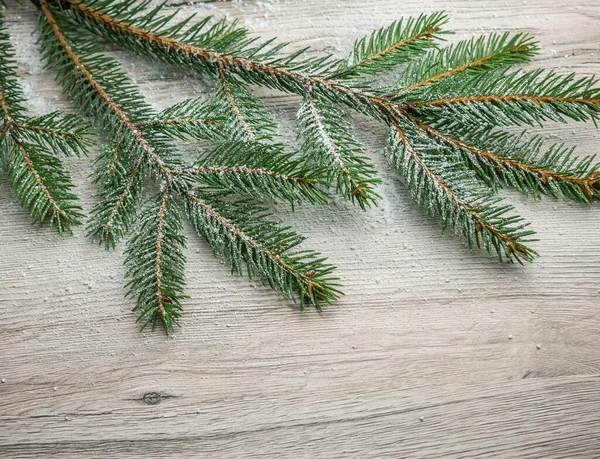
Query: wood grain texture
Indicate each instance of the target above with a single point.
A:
(421, 333)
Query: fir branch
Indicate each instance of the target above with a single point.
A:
(155, 263)
(329, 141)
(454, 196)
(443, 118)
(239, 233)
(245, 115)
(258, 169)
(64, 134)
(190, 118)
(38, 178)
(511, 98)
(142, 136)
(520, 162)
(104, 17)
(468, 56)
(78, 79)
(114, 113)
(41, 183)
(391, 46)
(223, 78)
(121, 195)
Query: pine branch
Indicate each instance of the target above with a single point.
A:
(469, 56)
(121, 192)
(142, 148)
(64, 134)
(328, 140)
(110, 20)
(38, 178)
(85, 75)
(509, 98)
(190, 118)
(391, 46)
(155, 263)
(442, 187)
(258, 169)
(520, 162)
(41, 183)
(245, 115)
(443, 118)
(239, 233)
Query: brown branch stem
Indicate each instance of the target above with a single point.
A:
(506, 98)
(242, 170)
(159, 240)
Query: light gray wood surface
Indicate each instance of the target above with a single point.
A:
(415, 360)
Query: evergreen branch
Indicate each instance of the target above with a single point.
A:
(93, 89)
(112, 216)
(245, 115)
(64, 134)
(38, 178)
(242, 179)
(188, 118)
(473, 55)
(121, 195)
(155, 263)
(11, 93)
(114, 153)
(520, 163)
(41, 183)
(475, 218)
(258, 169)
(513, 98)
(443, 119)
(391, 46)
(122, 188)
(329, 141)
(31, 127)
(234, 107)
(120, 27)
(239, 233)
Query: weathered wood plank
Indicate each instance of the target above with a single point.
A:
(422, 332)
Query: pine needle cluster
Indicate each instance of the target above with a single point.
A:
(451, 115)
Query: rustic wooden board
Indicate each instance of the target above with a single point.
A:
(421, 333)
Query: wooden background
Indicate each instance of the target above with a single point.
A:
(415, 360)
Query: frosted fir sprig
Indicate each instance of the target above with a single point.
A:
(449, 116)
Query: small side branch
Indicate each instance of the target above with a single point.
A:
(538, 100)
(230, 98)
(357, 188)
(173, 121)
(244, 170)
(157, 259)
(32, 170)
(586, 184)
(510, 242)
